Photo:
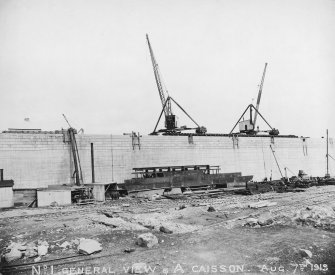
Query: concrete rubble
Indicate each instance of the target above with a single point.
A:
(165, 230)
(261, 204)
(89, 246)
(65, 244)
(316, 216)
(161, 225)
(42, 250)
(147, 240)
(31, 251)
(13, 255)
(264, 219)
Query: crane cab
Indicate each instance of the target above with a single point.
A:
(170, 122)
(246, 126)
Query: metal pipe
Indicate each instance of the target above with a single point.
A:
(92, 163)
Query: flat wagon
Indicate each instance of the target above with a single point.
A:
(184, 177)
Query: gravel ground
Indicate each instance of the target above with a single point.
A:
(233, 239)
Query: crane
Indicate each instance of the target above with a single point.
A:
(170, 118)
(248, 126)
(259, 95)
(77, 166)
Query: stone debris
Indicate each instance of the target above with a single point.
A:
(147, 240)
(317, 216)
(13, 255)
(251, 222)
(89, 246)
(306, 253)
(211, 209)
(265, 219)
(129, 250)
(261, 204)
(37, 259)
(42, 250)
(316, 212)
(17, 246)
(118, 222)
(165, 230)
(75, 242)
(170, 219)
(31, 251)
(149, 226)
(138, 268)
(65, 244)
(154, 197)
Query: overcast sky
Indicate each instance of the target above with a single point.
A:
(89, 60)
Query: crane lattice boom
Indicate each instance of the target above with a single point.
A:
(259, 94)
(161, 91)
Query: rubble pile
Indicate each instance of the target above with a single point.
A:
(147, 240)
(16, 251)
(317, 216)
(265, 219)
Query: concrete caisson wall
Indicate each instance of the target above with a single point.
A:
(39, 160)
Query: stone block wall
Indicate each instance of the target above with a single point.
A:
(39, 160)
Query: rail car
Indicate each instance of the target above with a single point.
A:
(183, 177)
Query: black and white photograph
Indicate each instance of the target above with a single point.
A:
(167, 137)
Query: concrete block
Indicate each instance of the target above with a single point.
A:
(6, 197)
(47, 197)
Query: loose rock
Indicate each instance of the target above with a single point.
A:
(37, 259)
(251, 222)
(30, 252)
(265, 219)
(65, 244)
(165, 230)
(306, 253)
(17, 246)
(262, 204)
(89, 246)
(129, 250)
(13, 255)
(147, 240)
(211, 209)
(42, 250)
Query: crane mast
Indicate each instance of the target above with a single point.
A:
(259, 95)
(170, 121)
